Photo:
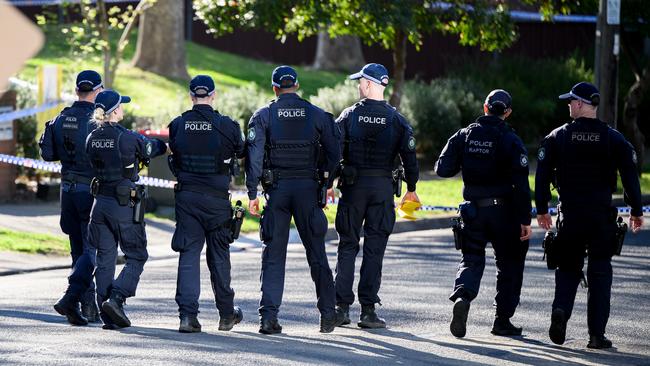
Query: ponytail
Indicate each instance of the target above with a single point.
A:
(99, 117)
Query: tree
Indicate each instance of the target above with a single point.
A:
(96, 32)
(389, 23)
(161, 41)
(341, 53)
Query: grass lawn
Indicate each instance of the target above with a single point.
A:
(156, 96)
(33, 243)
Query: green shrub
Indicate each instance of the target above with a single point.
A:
(337, 98)
(534, 86)
(437, 110)
(241, 103)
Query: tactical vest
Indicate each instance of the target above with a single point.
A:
(585, 156)
(104, 152)
(369, 142)
(482, 163)
(292, 138)
(198, 144)
(70, 131)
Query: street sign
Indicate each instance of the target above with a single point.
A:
(613, 12)
(20, 39)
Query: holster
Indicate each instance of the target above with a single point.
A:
(550, 250)
(138, 196)
(348, 176)
(621, 230)
(237, 219)
(94, 187)
(123, 195)
(322, 189)
(457, 227)
(398, 177)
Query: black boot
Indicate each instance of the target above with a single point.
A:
(189, 324)
(599, 342)
(458, 324)
(114, 309)
(369, 319)
(345, 310)
(90, 310)
(503, 327)
(69, 307)
(270, 327)
(327, 324)
(228, 322)
(557, 331)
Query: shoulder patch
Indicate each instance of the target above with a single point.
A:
(251, 134)
(411, 143)
(148, 148)
(523, 160)
(541, 154)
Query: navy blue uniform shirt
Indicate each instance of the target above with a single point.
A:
(231, 144)
(256, 141)
(52, 140)
(509, 175)
(581, 158)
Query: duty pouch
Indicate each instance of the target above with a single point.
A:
(398, 176)
(348, 175)
(138, 196)
(237, 219)
(123, 195)
(549, 244)
(467, 211)
(267, 179)
(457, 227)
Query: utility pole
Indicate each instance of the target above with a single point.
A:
(607, 55)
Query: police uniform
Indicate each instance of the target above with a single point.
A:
(284, 138)
(117, 155)
(64, 139)
(494, 165)
(373, 135)
(581, 159)
(205, 145)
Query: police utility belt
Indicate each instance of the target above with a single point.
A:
(72, 178)
(467, 211)
(197, 188)
(350, 174)
(125, 195)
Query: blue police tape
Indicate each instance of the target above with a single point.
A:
(165, 183)
(10, 116)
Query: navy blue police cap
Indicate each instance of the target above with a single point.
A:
(88, 80)
(374, 72)
(201, 86)
(584, 91)
(498, 101)
(109, 100)
(284, 77)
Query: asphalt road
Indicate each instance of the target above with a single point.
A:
(418, 276)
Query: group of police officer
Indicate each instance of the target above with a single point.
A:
(296, 151)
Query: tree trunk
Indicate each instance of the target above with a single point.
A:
(161, 41)
(606, 65)
(399, 68)
(342, 53)
(106, 49)
(630, 126)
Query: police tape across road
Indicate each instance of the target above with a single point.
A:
(165, 183)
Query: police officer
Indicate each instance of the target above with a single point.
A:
(117, 154)
(494, 165)
(373, 135)
(284, 139)
(205, 145)
(64, 139)
(581, 159)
